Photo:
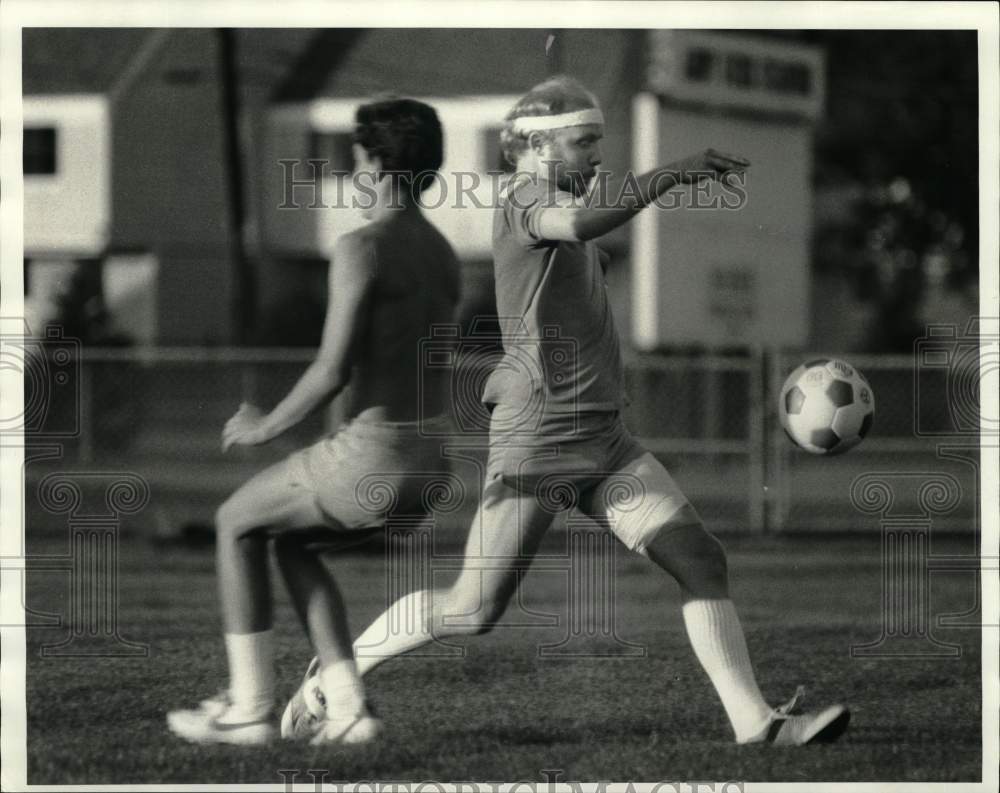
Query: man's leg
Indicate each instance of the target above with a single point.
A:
(503, 539)
(313, 591)
(697, 562)
(345, 717)
(659, 522)
(268, 501)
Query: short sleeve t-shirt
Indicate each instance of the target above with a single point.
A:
(559, 336)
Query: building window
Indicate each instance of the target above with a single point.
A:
(698, 64)
(334, 149)
(739, 70)
(787, 77)
(39, 151)
(493, 159)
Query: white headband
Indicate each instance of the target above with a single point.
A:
(526, 124)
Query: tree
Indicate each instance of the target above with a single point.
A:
(899, 144)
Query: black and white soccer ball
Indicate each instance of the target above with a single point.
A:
(826, 406)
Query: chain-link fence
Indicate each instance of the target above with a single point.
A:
(702, 417)
(711, 419)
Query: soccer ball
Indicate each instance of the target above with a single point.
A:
(826, 406)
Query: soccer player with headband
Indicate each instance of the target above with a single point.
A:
(556, 423)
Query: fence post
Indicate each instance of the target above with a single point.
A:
(85, 451)
(248, 381)
(777, 466)
(710, 418)
(757, 442)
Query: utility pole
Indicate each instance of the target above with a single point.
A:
(244, 295)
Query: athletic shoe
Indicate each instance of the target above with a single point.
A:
(300, 717)
(219, 721)
(359, 728)
(306, 716)
(217, 705)
(788, 729)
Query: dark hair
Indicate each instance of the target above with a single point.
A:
(560, 94)
(406, 136)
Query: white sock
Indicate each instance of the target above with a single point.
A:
(717, 638)
(251, 671)
(342, 687)
(402, 627)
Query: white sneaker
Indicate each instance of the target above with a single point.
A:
(217, 720)
(306, 716)
(788, 729)
(825, 726)
(360, 728)
(217, 704)
(306, 707)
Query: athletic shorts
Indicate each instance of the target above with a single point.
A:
(591, 462)
(369, 471)
(529, 451)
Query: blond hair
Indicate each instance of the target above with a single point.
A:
(561, 94)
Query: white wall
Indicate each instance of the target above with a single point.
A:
(129, 283)
(727, 277)
(288, 230)
(69, 212)
(685, 259)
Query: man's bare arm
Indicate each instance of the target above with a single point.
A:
(609, 208)
(351, 277)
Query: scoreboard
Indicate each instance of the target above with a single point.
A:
(759, 75)
(722, 265)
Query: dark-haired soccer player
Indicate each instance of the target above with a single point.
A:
(554, 423)
(390, 282)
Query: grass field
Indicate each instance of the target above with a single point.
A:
(501, 712)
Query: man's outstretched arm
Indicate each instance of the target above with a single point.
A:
(612, 205)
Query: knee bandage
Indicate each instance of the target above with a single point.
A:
(647, 503)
